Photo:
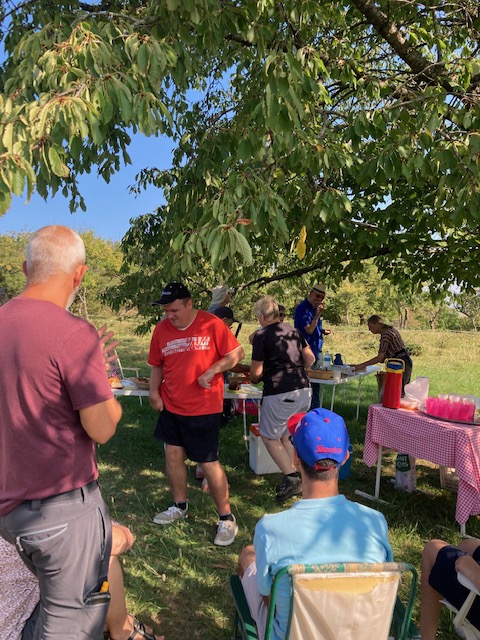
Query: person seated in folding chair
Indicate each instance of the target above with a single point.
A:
(440, 564)
(321, 527)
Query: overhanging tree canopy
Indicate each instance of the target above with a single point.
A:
(326, 132)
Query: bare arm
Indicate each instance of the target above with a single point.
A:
(155, 398)
(379, 358)
(241, 368)
(224, 364)
(101, 419)
(256, 371)
(310, 328)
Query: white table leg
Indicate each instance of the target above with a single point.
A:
(320, 398)
(246, 437)
(358, 397)
(379, 471)
(333, 397)
(377, 481)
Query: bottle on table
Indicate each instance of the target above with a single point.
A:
(327, 360)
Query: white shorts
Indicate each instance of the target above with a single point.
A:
(277, 409)
(256, 603)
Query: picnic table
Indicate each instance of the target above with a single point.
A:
(450, 444)
(359, 376)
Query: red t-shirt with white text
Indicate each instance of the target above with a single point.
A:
(185, 355)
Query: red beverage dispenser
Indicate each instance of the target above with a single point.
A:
(392, 393)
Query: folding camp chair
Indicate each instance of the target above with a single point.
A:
(345, 601)
(462, 626)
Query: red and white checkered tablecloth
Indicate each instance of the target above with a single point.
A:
(446, 443)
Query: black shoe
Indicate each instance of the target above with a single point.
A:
(291, 486)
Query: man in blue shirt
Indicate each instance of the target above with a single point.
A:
(322, 527)
(308, 320)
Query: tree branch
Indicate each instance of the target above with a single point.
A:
(430, 72)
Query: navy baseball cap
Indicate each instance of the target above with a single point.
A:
(173, 291)
(224, 312)
(318, 435)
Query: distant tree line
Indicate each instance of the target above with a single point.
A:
(104, 259)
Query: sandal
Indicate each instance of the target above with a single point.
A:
(139, 628)
(139, 631)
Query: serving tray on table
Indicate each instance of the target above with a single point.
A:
(141, 383)
(320, 375)
(448, 419)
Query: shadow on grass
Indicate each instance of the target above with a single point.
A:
(176, 579)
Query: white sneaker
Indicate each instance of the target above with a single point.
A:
(170, 515)
(226, 532)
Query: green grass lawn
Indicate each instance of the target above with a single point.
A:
(176, 579)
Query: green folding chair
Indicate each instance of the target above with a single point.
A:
(344, 601)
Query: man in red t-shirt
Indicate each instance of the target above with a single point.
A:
(189, 351)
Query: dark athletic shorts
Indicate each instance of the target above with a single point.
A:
(198, 435)
(443, 578)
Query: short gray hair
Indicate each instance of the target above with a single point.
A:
(51, 250)
(266, 307)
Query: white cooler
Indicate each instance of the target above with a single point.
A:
(261, 461)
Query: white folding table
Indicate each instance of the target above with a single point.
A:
(358, 375)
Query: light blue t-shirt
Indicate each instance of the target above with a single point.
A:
(316, 531)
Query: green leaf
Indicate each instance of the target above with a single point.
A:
(142, 58)
(244, 248)
(245, 149)
(58, 167)
(18, 182)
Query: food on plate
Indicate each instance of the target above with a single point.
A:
(234, 385)
(142, 383)
(115, 382)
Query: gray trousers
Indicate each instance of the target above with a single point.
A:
(65, 540)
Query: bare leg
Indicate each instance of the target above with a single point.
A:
(288, 447)
(469, 545)
(118, 622)
(245, 559)
(280, 454)
(430, 598)
(176, 472)
(217, 482)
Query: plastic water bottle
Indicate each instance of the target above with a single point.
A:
(327, 360)
(405, 473)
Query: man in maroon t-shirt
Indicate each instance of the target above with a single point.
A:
(56, 403)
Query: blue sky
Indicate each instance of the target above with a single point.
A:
(109, 206)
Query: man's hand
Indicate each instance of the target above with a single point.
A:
(205, 379)
(327, 332)
(108, 348)
(156, 402)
